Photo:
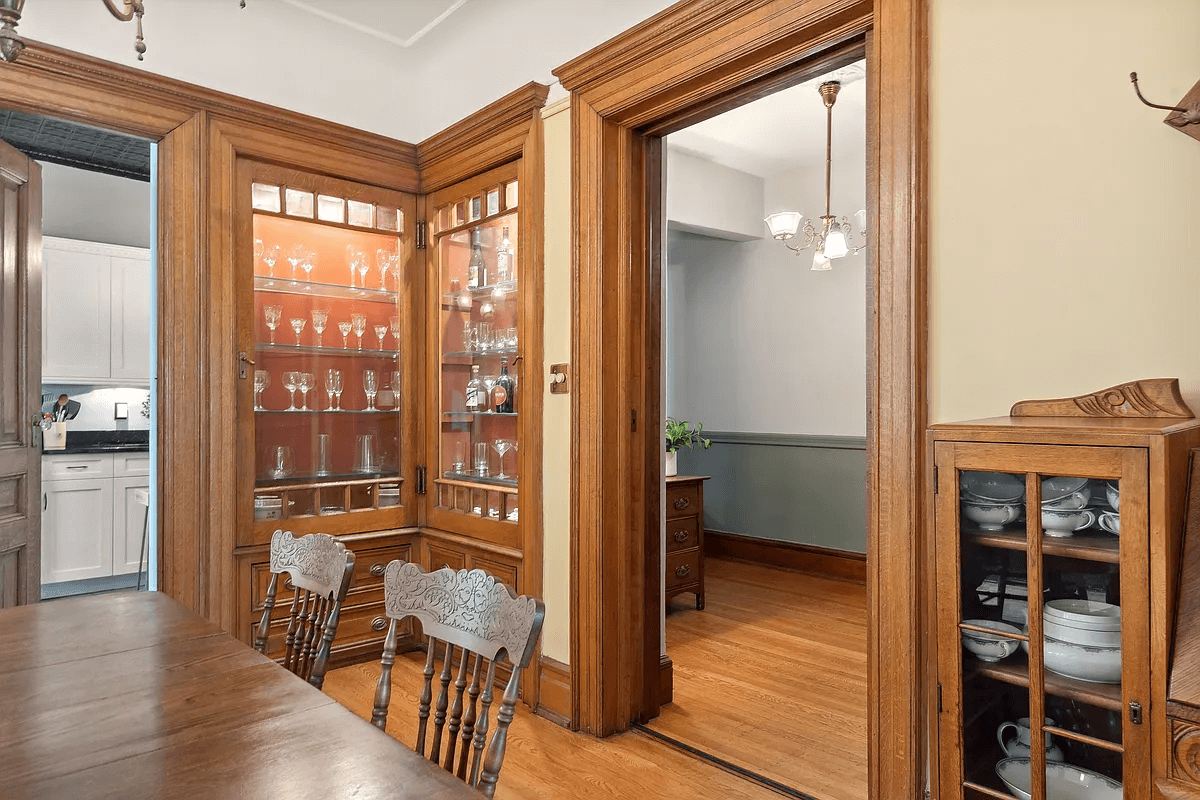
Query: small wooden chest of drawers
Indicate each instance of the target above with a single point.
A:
(684, 571)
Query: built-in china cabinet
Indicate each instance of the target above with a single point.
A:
(389, 365)
(1056, 545)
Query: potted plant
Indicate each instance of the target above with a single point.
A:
(682, 434)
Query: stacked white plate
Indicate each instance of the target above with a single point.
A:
(1082, 640)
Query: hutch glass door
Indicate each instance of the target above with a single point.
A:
(331, 319)
(1043, 621)
(477, 399)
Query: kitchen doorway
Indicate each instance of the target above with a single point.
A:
(97, 331)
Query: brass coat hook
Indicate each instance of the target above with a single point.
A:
(1186, 116)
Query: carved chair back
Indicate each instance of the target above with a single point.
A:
(320, 569)
(470, 616)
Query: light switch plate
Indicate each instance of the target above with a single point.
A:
(122, 411)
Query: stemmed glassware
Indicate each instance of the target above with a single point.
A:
(333, 386)
(297, 326)
(310, 261)
(270, 256)
(364, 266)
(380, 332)
(359, 323)
(305, 384)
(502, 446)
(394, 325)
(353, 259)
(370, 387)
(344, 327)
(320, 318)
(262, 380)
(291, 381)
(272, 315)
(386, 260)
(295, 256)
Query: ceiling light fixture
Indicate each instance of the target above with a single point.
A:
(11, 44)
(833, 240)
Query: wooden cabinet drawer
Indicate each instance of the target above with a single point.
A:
(682, 568)
(682, 534)
(360, 623)
(683, 500)
(369, 565)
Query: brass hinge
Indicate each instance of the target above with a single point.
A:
(422, 234)
(939, 692)
(420, 480)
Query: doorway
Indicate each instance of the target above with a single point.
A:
(97, 347)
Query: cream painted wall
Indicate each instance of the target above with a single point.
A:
(556, 411)
(1064, 215)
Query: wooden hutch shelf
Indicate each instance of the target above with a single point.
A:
(1102, 547)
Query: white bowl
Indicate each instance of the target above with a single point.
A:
(1084, 614)
(1084, 636)
(991, 516)
(1063, 781)
(1058, 487)
(1112, 492)
(992, 487)
(1083, 662)
(986, 646)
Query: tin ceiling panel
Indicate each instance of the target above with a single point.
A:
(75, 145)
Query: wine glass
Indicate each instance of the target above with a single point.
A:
(297, 326)
(352, 258)
(270, 255)
(359, 323)
(284, 462)
(333, 384)
(502, 446)
(291, 381)
(296, 255)
(262, 379)
(305, 384)
(320, 318)
(259, 248)
(344, 327)
(380, 332)
(394, 325)
(310, 261)
(364, 266)
(384, 259)
(337, 389)
(370, 387)
(396, 387)
(272, 315)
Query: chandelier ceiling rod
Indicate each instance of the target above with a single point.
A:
(11, 44)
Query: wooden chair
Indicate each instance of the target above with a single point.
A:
(481, 618)
(320, 568)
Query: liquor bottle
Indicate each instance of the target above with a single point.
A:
(476, 269)
(504, 392)
(504, 258)
(476, 399)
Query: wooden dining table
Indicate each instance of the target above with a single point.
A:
(130, 695)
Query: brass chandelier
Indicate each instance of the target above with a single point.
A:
(11, 44)
(832, 240)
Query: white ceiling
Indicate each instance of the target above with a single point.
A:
(785, 130)
(400, 23)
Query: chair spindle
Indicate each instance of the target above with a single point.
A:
(264, 625)
(495, 754)
(468, 728)
(289, 640)
(456, 710)
(383, 688)
(485, 706)
(443, 702)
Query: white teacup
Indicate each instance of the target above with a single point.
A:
(1073, 500)
(1111, 522)
(991, 516)
(1064, 522)
(1018, 746)
(1112, 491)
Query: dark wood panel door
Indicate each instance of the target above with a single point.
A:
(20, 377)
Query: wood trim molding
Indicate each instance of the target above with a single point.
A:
(554, 701)
(788, 440)
(491, 136)
(807, 558)
(666, 680)
(646, 80)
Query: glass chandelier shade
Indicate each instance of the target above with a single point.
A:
(784, 224)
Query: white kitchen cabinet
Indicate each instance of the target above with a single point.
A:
(77, 529)
(95, 313)
(128, 518)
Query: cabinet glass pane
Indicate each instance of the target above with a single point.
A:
(995, 718)
(327, 414)
(479, 396)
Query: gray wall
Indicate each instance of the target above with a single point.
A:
(94, 207)
(806, 489)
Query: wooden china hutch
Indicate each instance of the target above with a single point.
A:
(389, 382)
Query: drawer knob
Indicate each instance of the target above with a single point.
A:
(379, 623)
(377, 570)
(681, 536)
(683, 570)
(682, 503)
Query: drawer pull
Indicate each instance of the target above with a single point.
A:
(681, 536)
(379, 623)
(683, 570)
(377, 570)
(682, 503)
(77, 466)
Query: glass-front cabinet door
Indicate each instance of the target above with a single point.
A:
(476, 401)
(1043, 621)
(328, 315)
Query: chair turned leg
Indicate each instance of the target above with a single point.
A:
(383, 689)
(699, 601)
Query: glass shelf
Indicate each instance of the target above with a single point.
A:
(277, 285)
(292, 349)
(503, 351)
(472, 414)
(450, 299)
(475, 481)
(297, 412)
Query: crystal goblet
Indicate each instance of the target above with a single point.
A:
(344, 327)
(295, 256)
(320, 319)
(380, 332)
(370, 387)
(291, 381)
(333, 386)
(359, 322)
(272, 315)
(298, 324)
(262, 380)
(306, 384)
(394, 326)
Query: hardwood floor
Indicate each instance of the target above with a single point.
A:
(547, 762)
(772, 677)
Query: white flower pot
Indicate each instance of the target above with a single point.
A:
(672, 464)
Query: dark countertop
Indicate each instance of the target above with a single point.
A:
(104, 442)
